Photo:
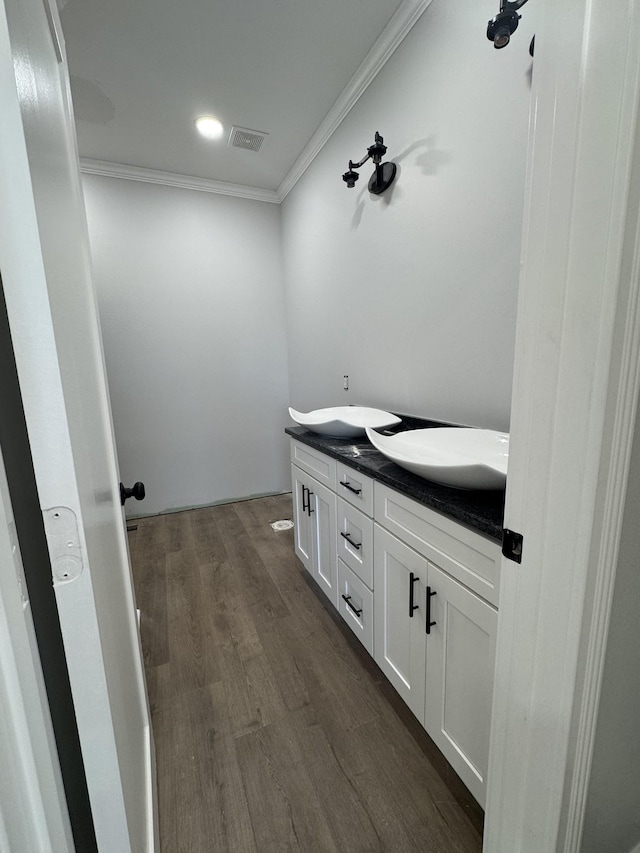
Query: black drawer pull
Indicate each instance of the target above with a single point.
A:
(350, 540)
(412, 579)
(429, 623)
(304, 503)
(348, 485)
(347, 598)
(309, 496)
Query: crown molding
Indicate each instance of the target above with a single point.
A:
(171, 179)
(391, 37)
(405, 16)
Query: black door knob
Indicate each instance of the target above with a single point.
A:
(136, 491)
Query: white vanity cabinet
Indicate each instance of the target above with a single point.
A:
(434, 635)
(334, 535)
(418, 589)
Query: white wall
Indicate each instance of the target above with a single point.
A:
(413, 293)
(192, 311)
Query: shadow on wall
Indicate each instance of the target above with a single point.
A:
(89, 101)
(529, 76)
(429, 160)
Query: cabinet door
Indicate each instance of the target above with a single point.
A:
(400, 576)
(460, 665)
(323, 530)
(303, 540)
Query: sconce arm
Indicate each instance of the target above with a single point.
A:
(353, 165)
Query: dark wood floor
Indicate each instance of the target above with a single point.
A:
(274, 729)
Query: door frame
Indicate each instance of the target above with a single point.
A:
(45, 262)
(33, 807)
(575, 390)
(31, 542)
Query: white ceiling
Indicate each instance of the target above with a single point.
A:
(143, 70)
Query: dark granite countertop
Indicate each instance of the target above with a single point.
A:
(483, 511)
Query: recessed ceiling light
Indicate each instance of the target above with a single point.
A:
(210, 127)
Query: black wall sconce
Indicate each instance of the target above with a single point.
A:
(384, 173)
(503, 26)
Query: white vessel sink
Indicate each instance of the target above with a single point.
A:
(452, 456)
(343, 421)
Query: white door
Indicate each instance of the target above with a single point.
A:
(400, 578)
(44, 258)
(575, 392)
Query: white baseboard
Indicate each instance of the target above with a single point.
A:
(153, 825)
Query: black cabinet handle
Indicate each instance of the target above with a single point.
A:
(412, 579)
(429, 623)
(136, 491)
(348, 485)
(347, 598)
(309, 495)
(350, 540)
(304, 504)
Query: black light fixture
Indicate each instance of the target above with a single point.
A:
(384, 173)
(503, 26)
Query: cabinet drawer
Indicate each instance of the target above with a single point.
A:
(464, 554)
(355, 603)
(355, 487)
(356, 550)
(320, 466)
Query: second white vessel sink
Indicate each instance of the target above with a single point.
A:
(344, 421)
(452, 456)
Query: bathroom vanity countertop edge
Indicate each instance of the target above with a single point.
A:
(482, 511)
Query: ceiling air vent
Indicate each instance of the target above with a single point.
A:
(242, 137)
